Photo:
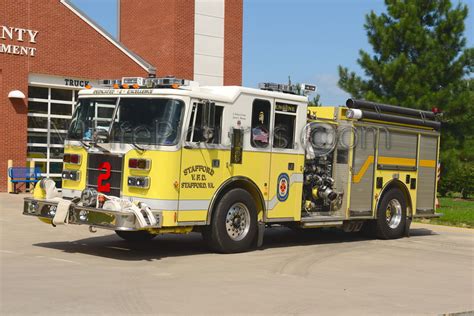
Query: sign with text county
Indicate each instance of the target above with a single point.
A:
(19, 36)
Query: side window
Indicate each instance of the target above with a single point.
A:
(284, 131)
(194, 133)
(260, 135)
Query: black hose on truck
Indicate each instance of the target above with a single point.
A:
(385, 112)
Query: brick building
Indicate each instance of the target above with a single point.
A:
(50, 49)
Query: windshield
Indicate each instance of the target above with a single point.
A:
(149, 121)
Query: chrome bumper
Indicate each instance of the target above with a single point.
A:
(81, 215)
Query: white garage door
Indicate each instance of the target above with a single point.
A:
(49, 114)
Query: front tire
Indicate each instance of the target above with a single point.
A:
(135, 236)
(391, 215)
(234, 223)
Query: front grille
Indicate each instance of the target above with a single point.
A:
(115, 178)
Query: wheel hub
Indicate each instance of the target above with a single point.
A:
(237, 221)
(393, 213)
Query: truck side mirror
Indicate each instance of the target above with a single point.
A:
(208, 120)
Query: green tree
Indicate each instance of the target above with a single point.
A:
(315, 101)
(420, 60)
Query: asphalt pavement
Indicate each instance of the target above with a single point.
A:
(67, 270)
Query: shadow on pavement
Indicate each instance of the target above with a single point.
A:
(170, 245)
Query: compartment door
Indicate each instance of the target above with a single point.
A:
(426, 188)
(363, 172)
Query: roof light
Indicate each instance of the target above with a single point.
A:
(307, 88)
(116, 86)
(133, 80)
(110, 83)
(135, 86)
(125, 86)
(88, 86)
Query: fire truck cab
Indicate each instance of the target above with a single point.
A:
(147, 156)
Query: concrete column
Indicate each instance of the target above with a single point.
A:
(9, 183)
(31, 185)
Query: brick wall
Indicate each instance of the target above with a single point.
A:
(162, 32)
(233, 42)
(66, 46)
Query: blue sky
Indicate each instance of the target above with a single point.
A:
(304, 39)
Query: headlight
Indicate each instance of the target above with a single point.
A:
(71, 175)
(139, 182)
(33, 207)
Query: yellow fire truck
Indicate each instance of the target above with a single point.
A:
(148, 156)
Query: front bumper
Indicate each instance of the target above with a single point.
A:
(81, 215)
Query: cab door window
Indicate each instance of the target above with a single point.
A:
(284, 131)
(260, 131)
(195, 130)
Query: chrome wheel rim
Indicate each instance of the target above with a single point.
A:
(393, 214)
(237, 221)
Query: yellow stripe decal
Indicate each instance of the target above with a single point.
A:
(428, 163)
(406, 162)
(357, 177)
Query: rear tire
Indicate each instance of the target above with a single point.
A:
(391, 215)
(135, 236)
(234, 223)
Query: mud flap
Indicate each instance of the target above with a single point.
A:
(260, 233)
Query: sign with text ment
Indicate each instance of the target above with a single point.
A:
(17, 41)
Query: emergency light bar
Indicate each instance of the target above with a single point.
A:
(270, 86)
(303, 89)
(149, 83)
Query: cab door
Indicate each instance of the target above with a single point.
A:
(286, 163)
(201, 167)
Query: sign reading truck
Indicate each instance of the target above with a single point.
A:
(148, 156)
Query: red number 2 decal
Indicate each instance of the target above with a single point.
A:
(101, 187)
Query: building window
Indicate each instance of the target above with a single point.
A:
(49, 115)
(259, 137)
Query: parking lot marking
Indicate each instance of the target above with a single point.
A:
(7, 251)
(64, 260)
